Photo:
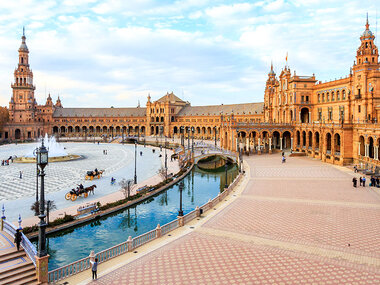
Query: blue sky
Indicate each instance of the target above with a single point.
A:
(113, 53)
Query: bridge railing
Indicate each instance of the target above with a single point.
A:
(25, 242)
(131, 244)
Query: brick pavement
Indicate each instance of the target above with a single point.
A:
(281, 230)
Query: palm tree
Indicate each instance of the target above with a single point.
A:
(50, 205)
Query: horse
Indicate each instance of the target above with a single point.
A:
(90, 189)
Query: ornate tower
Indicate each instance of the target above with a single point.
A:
(22, 104)
(367, 53)
(269, 94)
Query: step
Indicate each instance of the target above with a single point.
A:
(20, 278)
(17, 269)
(27, 281)
(12, 255)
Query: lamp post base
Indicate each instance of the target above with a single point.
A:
(42, 269)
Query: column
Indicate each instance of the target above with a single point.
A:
(366, 150)
(258, 146)
(376, 154)
(280, 143)
(270, 145)
(247, 144)
(358, 148)
(291, 143)
(309, 117)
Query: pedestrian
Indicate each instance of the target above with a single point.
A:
(373, 181)
(355, 169)
(18, 238)
(20, 174)
(354, 182)
(377, 182)
(364, 181)
(283, 153)
(94, 268)
(361, 181)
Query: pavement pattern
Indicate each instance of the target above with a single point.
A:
(300, 222)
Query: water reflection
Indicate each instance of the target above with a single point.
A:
(70, 245)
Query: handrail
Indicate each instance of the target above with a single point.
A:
(25, 242)
(131, 244)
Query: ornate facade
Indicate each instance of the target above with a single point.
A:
(335, 121)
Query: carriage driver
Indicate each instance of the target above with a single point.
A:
(80, 187)
(96, 171)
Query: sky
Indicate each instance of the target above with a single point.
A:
(95, 53)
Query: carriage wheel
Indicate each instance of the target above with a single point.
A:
(73, 197)
(68, 196)
(92, 177)
(86, 195)
(86, 177)
(99, 176)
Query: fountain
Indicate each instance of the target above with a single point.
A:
(56, 152)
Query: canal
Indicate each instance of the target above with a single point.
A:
(76, 243)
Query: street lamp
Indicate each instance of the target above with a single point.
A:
(42, 161)
(135, 162)
(192, 142)
(37, 172)
(182, 136)
(225, 168)
(188, 137)
(215, 135)
(166, 161)
(180, 212)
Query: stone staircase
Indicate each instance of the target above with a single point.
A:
(15, 266)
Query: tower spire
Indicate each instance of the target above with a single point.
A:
(23, 31)
(367, 24)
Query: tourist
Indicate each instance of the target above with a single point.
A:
(18, 238)
(354, 182)
(355, 169)
(283, 159)
(361, 181)
(364, 181)
(94, 268)
(20, 174)
(377, 182)
(373, 181)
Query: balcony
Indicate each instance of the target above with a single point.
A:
(305, 102)
(358, 96)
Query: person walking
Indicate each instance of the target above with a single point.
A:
(20, 174)
(18, 238)
(355, 182)
(361, 181)
(364, 181)
(94, 268)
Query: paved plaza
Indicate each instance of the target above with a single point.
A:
(300, 222)
(63, 176)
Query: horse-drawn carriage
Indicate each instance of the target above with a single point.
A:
(94, 174)
(79, 192)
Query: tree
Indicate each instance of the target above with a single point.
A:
(126, 187)
(49, 206)
(162, 173)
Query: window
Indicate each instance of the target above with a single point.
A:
(359, 108)
(323, 97)
(332, 96)
(344, 94)
(307, 98)
(337, 95)
(305, 85)
(328, 97)
(319, 98)
(319, 114)
(330, 113)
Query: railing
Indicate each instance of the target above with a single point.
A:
(25, 242)
(144, 238)
(131, 244)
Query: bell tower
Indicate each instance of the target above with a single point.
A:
(367, 53)
(22, 104)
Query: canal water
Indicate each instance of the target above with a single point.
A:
(76, 243)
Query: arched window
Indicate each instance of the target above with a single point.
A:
(337, 95)
(22, 60)
(343, 94)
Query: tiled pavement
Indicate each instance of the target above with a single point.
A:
(290, 230)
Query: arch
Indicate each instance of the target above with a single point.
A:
(209, 132)
(305, 115)
(17, 134)
(175, 130)
(286, 140)
(276, 140)
(298, 138)
(371, 147)
(117, 130)
(303, 138)
(84, 129)
(105, 129)
(77, 129)
(337, 143)
(97, 129)
(162, 119)
(157, 119)
(137, 130)
(63, 129)
(203, 130)
(55, 130)
(142, 130)
(172, 119)
(198, 130)
(310, 139)
(70, 129)
(151, 130)
(362, 145)
(316, 140)
(328, 142)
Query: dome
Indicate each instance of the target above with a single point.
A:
(23, 46)
(367, 34)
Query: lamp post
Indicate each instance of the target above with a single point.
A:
(135, 178)
(226, 168)
(215, 135)
(192, 142)
(166, 161)
(42, 161)
(182, 139)
(122, 135)
(188, 137)
(180, 212)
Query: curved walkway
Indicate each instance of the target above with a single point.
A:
(298, 222)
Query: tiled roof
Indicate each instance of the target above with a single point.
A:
(238, 109)
(99, 112)
(171, 98)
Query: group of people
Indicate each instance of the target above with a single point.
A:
(105, 152)
(6, 162)
(375, 182)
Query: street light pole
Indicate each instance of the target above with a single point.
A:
(225, 168)
(215, 135)
(135, 179)
(42, 161)
(166, 162)
(180, 212)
